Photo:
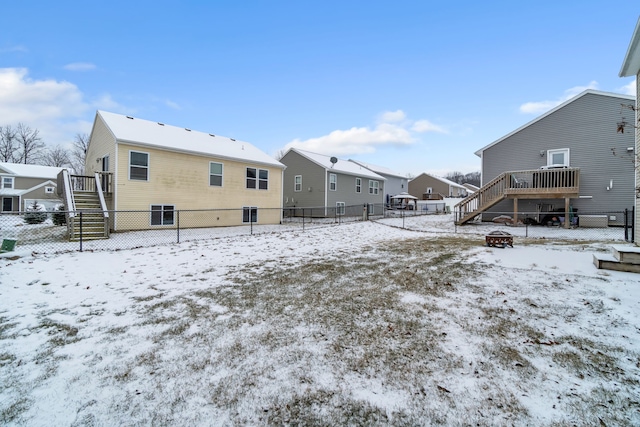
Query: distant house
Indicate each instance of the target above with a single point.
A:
(631, 67)
(330, 185)
(568, 160)
(394, 182)
(23, 184)
(160, 169)
(431, 187)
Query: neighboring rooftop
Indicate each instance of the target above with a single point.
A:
(342, 166)
(30, 171)
(631, 63)
(136, 131)
(378, 169)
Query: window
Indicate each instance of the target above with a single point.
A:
(138, 166)
(263, 179)
(105, 164)
(259, 177)
(374, 187)
(250, 214)
(297, 183)
(339, 208)
(7, 182)
(358, 185)
(48, 190)
(215, 174)
(558, 157)
(333, 182)
(162, 214)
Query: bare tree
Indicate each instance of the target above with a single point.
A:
(472, 178)
(56, 156)
(79, 153)
(457, 177)
(280, 154)
(30, 144)
(410, 176)
(8, 145)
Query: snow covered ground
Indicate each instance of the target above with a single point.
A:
(363, 323)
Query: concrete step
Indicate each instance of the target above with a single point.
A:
(610, 262)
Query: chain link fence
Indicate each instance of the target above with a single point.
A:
(48, 232)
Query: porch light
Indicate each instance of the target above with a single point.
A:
(542, 153)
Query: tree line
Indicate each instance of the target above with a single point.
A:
(22, 144)
(472, 178)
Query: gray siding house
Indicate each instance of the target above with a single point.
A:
(394, 182)
(631, 67)
(579, 137)
(331, 188)
(21, 185)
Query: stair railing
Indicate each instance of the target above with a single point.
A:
(103, 204)
(65, 189)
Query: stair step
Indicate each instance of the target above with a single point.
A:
(627, 254)
(609, 262)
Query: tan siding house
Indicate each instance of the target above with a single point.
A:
(157, 167)
(426, 187)
(21, 185)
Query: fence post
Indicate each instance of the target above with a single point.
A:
(178, 225)
(251, 219)
(302, 219)
(80, 231)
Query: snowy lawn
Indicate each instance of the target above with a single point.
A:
(357, 324)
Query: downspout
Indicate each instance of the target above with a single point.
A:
(326, 190)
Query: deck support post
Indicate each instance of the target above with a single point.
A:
(515, 211)
(567, 217)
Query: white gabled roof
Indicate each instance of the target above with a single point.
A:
(31, 171)
(553, 110)
(378, 169)
(631, 63)
(341, 166)
(158, 135)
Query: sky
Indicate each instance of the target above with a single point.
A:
(414, 86)
(214, 332)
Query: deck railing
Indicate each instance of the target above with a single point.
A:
(536, 183)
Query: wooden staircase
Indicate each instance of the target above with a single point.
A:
(624, 258)
(478, 202)
(524, 184)
(89, 221)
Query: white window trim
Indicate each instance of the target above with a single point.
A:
(566, 152)
(374, 187)
(12, 179)
(335, 182)
(358, 185)
(250, 208)
(49, 190)
(257, 179)
(297, 186)
(215, 174)
(340, 208)
(162, 224)
(147, 167)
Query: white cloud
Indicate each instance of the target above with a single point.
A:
(16, 48)
(56, 108)
(538, 107)
(629, 89)
(393, 129)
(392, 116)
(426, 126)
(80, 66)
(172, 104)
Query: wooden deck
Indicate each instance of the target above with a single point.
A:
(562, 183)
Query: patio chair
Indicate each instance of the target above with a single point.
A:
(518, 183)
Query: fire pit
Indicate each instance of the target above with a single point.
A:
(499, 239)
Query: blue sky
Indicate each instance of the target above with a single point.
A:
(415, 86)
